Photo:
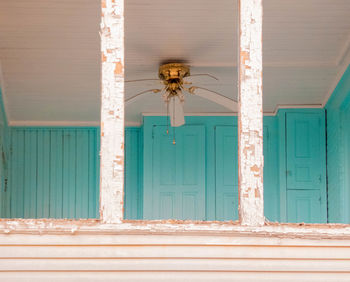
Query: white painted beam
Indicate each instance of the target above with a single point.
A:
(250, 114)
(112, 111)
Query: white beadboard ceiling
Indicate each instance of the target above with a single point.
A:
(49, 54)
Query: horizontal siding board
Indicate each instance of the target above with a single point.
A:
(207, 264)
(227, 276)
(175, 252)
(167, 257)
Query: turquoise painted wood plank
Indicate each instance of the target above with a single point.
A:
(226, 173)
(18, 173)
(52, 174)
(97, 189)
(14, 175)
(69, 173)
(30, 174)
(92, 178)
(56, 174)
(82, 178)
(132, 174)
(43, 183)
(338, 151)
(271, 168)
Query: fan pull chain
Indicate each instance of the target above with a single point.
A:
(167, 117)
(174, 123)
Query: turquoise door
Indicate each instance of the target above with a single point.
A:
(305, 167)
(226, 164)
(178, 190)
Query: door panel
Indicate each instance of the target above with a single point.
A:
(304, 206)
(305, 157)
(179, 173)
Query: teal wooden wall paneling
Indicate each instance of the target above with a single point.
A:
(4, 160)
(281, 119)
(82, 175)
(346, 188)
(133, 173)
(226, 188)
(271, 168)
(338, 156)
(54, 173)
(94, 175)
(69, 175)
(43, 194)
(30, 171)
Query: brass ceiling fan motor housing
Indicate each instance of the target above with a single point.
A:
(172, 75)
(173, 71)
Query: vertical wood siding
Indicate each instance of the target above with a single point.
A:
(133, 174)
(54, 173)
(338, 151)
(4, 159)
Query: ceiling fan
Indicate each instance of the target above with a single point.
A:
(172, 76)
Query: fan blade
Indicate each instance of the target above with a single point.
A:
(204, 74)
(144, 79)
(176, 112)
(213, 96)
(139, 95)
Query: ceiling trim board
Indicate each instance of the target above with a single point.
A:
(310, 106)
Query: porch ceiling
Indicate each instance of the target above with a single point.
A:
(49, 53)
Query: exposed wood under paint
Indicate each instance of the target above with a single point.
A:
(176, 227)
(112, 111)
(250, 115)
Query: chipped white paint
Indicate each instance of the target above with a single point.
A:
(175, 228)
(112, 111)
(250, 115)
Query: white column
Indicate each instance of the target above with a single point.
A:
(112, 111)
(250, 116)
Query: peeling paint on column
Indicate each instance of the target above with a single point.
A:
(112, 111)
(250, 117)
